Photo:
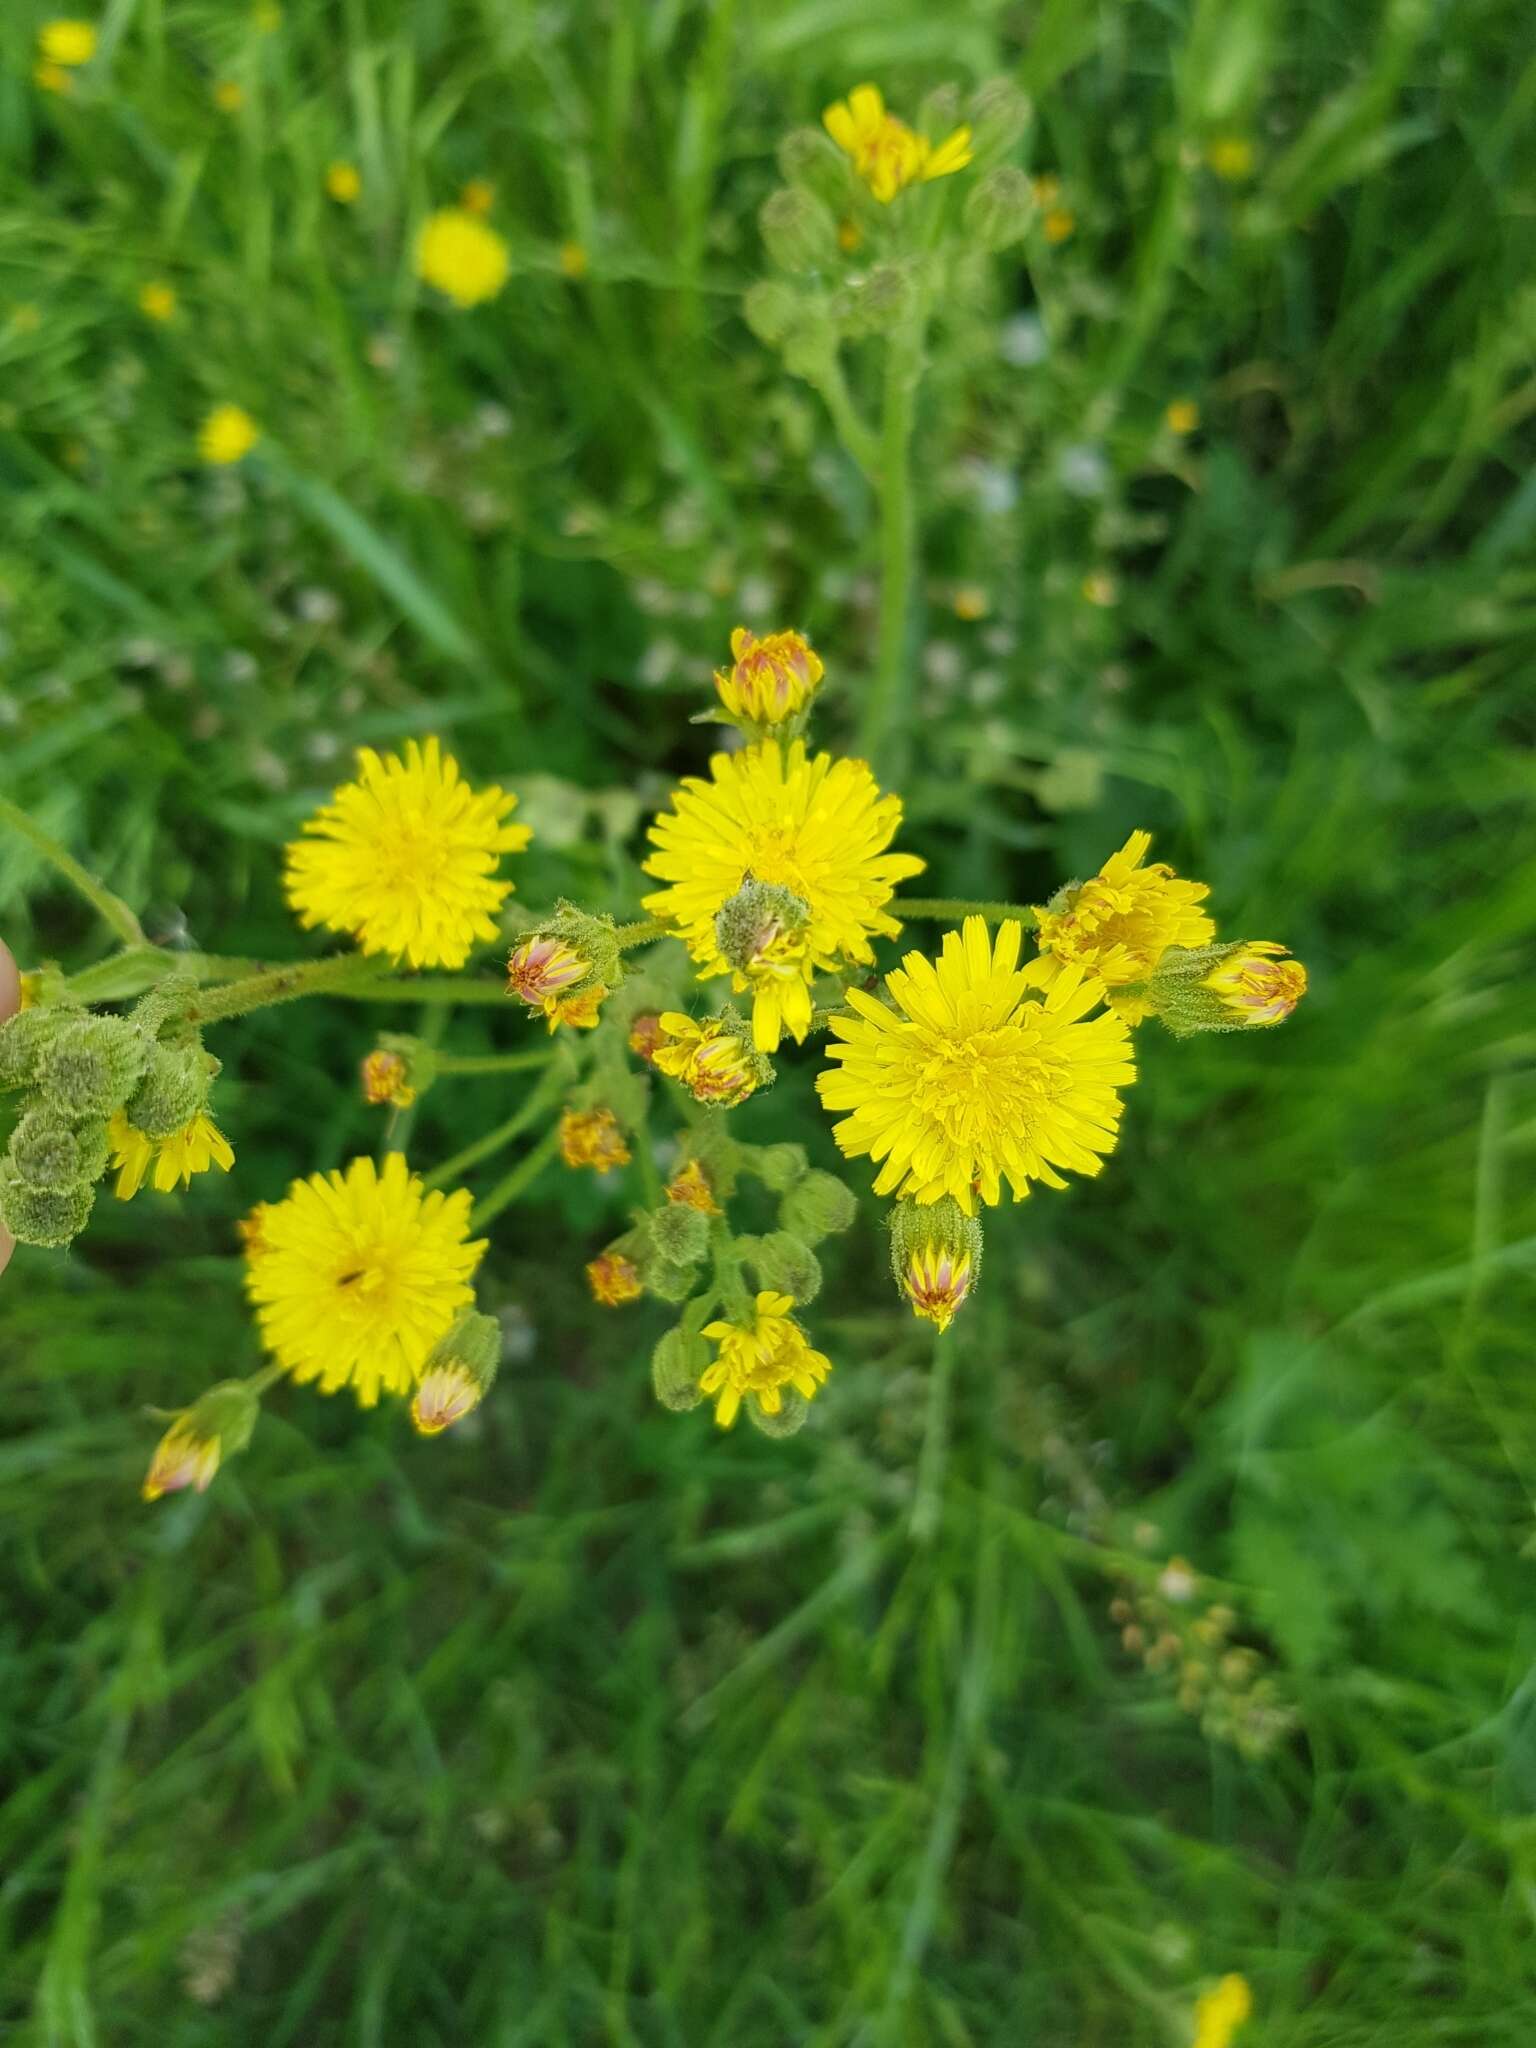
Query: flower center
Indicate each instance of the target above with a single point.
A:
(986, 1084)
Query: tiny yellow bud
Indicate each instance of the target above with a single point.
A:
(343, 183)
(592, 1137)
(478, 196)
(386, 1079)
(1060, 224)
(229, 96)
(971, 602)
(157, 301)
(227, 435)
(1182, 416)
(1231, 157)
(771, 679)
(573, 261)
(1260, 984)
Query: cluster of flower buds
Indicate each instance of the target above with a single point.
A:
(567, 968)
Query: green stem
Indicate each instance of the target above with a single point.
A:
(490, 1062)
(641, 933)
(952, 909)
(522, 1175)
(140, 967)
(112, 909)
(898, 528)
(526, 1113)
(855, 433)
(274, 985)
(258, 1382)
(729, 1285)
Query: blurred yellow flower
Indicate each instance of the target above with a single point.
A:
(1059, 225)
(66, 42)
(1230, 157)
(466, 260)
(356, 1275)
(1101, 589)
(184, 1456)
(690, 1187)
(886, 153)
(614, 1279)
(591, 1137)
(157, 301)
(478, 196)
(1182, 416)
(52, 78)
(1220, 2012)
(758, 1360)
(343, 183)
(227, 435)
(849, 236)
(573, 260)
(984, 1071)
(971, 602)
(387, 1079)
(1119, 924)
(229, 96)
(197, 1147)
(405, 858)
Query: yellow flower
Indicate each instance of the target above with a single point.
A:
(69, 43)
(1259, 985)
(1219, 2013)
(1231, 157)
(614, 1279)
(591, 1137)
(646, 1036)
(984, 1072)
(771, 679)
(1119, 924)
(849, 236)
(817, 829)
(582, 1012)
(229, 96)
(195, 1148)
(1182, 416)
(1100, 589)
(267, 17)
(227, 435)
(183, 1457)
(386, 1079)
(478, 196)
(52, 78)
(1059, 225)
(465, 259)
(573, 261)
(936, 1280)
(405, 858)
(690, 1186)
(760, 1359)
(157, 301)
(356, 1276)
(971, 602)
(710, 1059)
(542, 970)
(343, 183)
(886, 153)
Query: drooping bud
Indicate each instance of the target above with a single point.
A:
(935, 1256)
(785, 1264)
(1000, 116)
(761, 931)
(48, 1217)
(457, 1374)
(778, 1166)
(771, 680)
(715, 1061)
(817, 1206)
(1236, 987)
(678, 1233)
(772, 310)
(49, 1151)
(217, 1426)
(90, 1066)
(677, 1365)
(592, 1137)
(690, 1187)
(798, 231)
(614, 1279)
(1000, 208)
(387, 1080)
(173, 1091)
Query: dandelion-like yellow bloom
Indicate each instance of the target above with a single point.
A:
(936, 1280)
(229, 96)
(770, 679)
(984, 1072)
(886, 153)
(356, 1276)
(592, 1137)
(1220, 2012)
(343, 183)
(227, 435)
(709, 1059)
(183, 1457)
(387, 1079)
(614, 1279)
(758, 1360)
(405, 858)
(157, 301)
(818, 828)
(1259, 985)
(466, 260)
(70, 43)
(1182, 416)
(690, 1186)
(197, 1147)
(1119, 925)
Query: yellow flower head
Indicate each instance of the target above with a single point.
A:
(542, 970)
(1231, 157)
(690, 1186)
(816, 829)
(573, 261)
(343, 183)
(227, 435)
(936, 1280)
(229, 96)
(771, 679)
(183, 1457)
(1220, 2012)
(466, 260)
(157, 301)
(70, 43)
(1182, 416)
(356, 1276)
(582, 1011)
(710, 1059)
(886, 153)
(195, 1148)
(1118, 925)
(592, 1137)
(758, 1360)
(52, 78)
(614, 1279)
(387, 1079)
(405, 858)
(1259, 985)
(984, 1072)
(1059, 225)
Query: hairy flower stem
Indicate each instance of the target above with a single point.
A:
(880, 735)
(527, 1112)
(276, 985)
(729, 1285)
(112, 910)
(522, 1175)
(641, 933)
(951, 909)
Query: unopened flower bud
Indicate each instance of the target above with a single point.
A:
(217, 1426)
(798, 231)
(677, 1364)
(679, 1233)
(808, 157)
(817, 1206)
(543, 967)
(785, 1264)
(874, 301)
(457, 1373)
(772, 311)
(90, 1067)
(592, 1137)
(1222, 988)
(48, 1217)
(614, 1279)
(779, 1166)
(761, 930)
(788, 1419)
(22, 1040)
(49, 1151)
(1000, 116)
(935, 1256)
(715, 1061)
(771, 680)
(1000, 208)
(690, 1187)
(573, 955)
(810, 349)
(386, 1079)
(173, 1091)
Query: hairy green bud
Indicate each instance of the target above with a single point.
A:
(91, 1066)
(772, 311)
(1000, 207)
(778, 1166)
(49, 1151)
(678, 1233)
(457, 1373)
(874, 301)
(935, 1256)
(818, 1206)
(173, 1090)
(1000, 117)
(785, 1264)
(22, 1040)
(218, 1425)
(790, 1420)
(757, 919)
(42, 1216)
(810, 351)
(665, 1278)
(798, 231)
(677, 1364)
(1235, 987)
(810, 158)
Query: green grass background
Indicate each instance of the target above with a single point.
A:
(585, 1724)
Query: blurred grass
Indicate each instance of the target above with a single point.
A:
(582, 1725)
